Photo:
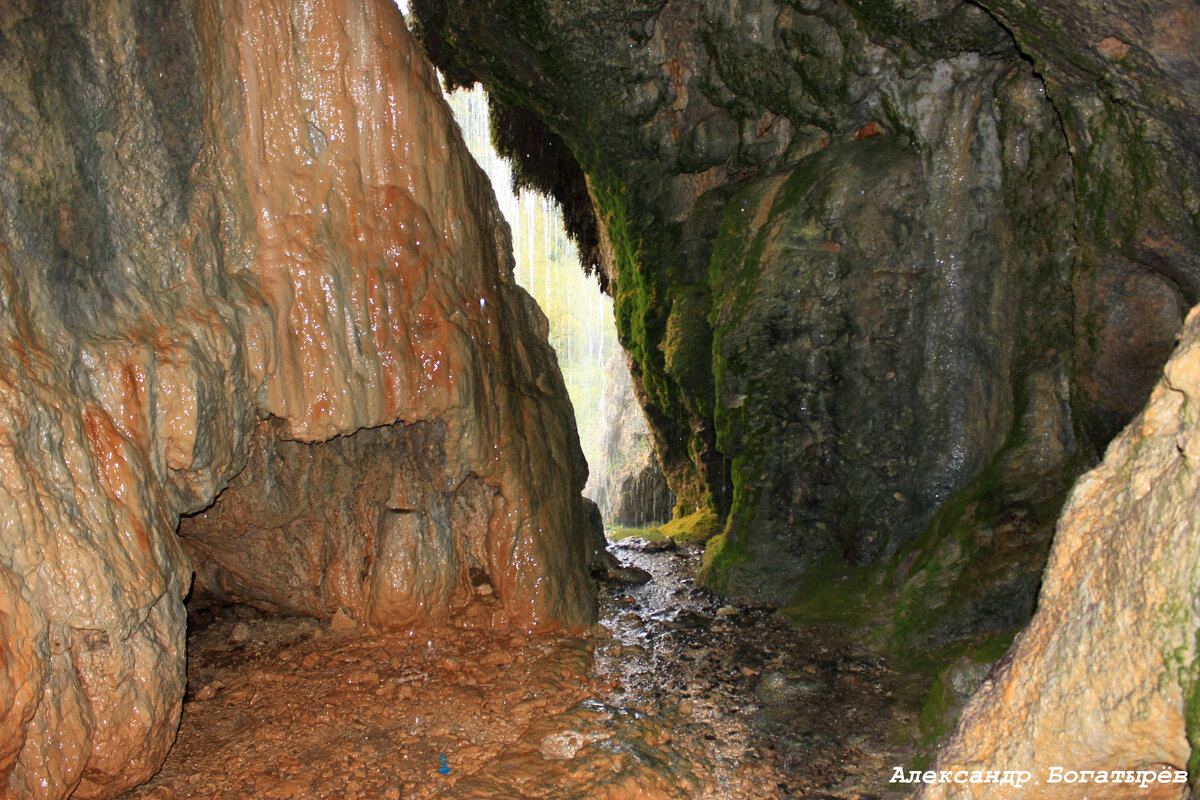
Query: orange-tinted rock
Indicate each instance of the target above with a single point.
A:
(380, 262)
(869, 131)
(1098, 679)
(371, 525)
(214, 214)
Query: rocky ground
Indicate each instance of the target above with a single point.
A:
(676, 695)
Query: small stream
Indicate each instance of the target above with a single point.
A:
(799, 715)
(678, 695)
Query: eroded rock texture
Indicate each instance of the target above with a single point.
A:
(840, 246)
(220, 212)
(372, 525)
(1125, 79)
(1105, 677)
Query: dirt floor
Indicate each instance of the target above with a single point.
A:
(675, 695)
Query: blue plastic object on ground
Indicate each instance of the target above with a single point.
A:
(445, 768)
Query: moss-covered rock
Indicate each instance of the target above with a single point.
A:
(868, 321)
(696, 528)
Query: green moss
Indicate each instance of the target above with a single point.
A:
(695, 528)
(733, 271)
(662, 324)
(1192, 715)
(651, 534)
(932, 720)
(720, 557)
(942, 707)
(832, 593)
(687, 347)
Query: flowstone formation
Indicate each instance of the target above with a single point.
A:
(1106, 677)
(892, 273)
(889, 273)
(236, 227)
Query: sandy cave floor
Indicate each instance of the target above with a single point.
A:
(677, 696)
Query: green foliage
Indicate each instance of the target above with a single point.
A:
(695, 528)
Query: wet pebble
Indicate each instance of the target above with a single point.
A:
(629, 576)
(643, 545)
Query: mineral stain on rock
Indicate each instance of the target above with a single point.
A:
(891, 275)
(235, 231)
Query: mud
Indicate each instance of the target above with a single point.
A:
(675, 695)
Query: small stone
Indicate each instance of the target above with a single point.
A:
(1113, 48)
(240, 633)
(342, 622)
(869, 131)
(965, 675)
(362, 677)
(644, 545)
(566, 744)
(497, 658)
(206, 692)
(726, 611)
(291, 788)
(775, 687)
(631, 576)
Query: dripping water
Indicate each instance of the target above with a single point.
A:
(582, 327)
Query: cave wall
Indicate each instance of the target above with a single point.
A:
(901, 270)
(840, 238)
(1124, 80)
(234, 228)
(1106, 676)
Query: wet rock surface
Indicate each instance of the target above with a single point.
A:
(785, 712)
(629, 485)
(676, 697)
(373, 526)
(1117, 614)
(841, 251)
(216, 213)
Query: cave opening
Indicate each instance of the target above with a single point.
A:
(624, 477)
(894, 280)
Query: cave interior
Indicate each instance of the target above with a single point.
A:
(293, 491)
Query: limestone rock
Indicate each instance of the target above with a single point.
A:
(830, 226)
(629, 486)
(393, 294)
(217, 213)
(1105, 674)
(1125, 80)
(371, 526)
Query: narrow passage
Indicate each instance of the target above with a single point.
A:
(676, 695)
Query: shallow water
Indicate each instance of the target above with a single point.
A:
(677, 696)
